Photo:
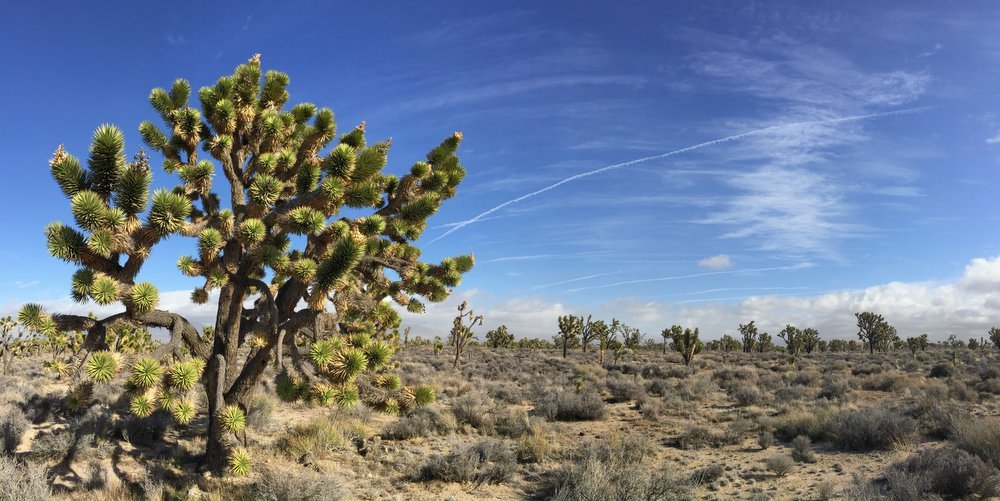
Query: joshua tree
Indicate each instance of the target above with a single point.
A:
(569, 329)
(810, 339)
(874, 330)
(279, 180)
(500, 338)
(994, 333)
(588, 332)
(595, 331)
(764, 343)
(728, 343)
(618, 349)
(793, 339)
(13, 343)
(687, 344)
(750, 337)
(669, 334)
(631, 337)
(606, 336)
(461, 333)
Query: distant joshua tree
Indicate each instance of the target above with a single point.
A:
(669, 334)
(687, 344)
(461, 333)
(994, 333)
(594, 331)
(875, 331)
(569, 329)
(608, 337)
(793, 339)
(750, 336)
(810, 339)
(500, 338)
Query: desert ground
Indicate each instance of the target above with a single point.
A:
(530, 424)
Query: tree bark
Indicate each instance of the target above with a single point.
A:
(215, 448)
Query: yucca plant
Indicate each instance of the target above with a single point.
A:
(284, 172)
(239, 462)
(142, 405)
(146, 372)
(184, 375)
(183, 411)
(233, 420)
(102, 366)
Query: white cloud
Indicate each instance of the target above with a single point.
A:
(719, 262)
(993, 140)
(967, 306)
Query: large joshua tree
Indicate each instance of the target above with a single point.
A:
(321, 282)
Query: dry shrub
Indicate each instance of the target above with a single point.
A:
(872, 428)
(814, 423)
(489, 461)
(567, 406)
(259, 410)
(297, 484)
(535, 445)
(422, 422)
(13, 423)
(22, 481)
(616, 470)
(979, 436)
(474, 409)
(316, 438)
(779, 465)
(802, 450)
(947, 472)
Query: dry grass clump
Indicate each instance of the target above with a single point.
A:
(813, 422)
(585, 405)
(979, 436)
(617, 469)
(22, 481)
(296, 484)
(489, 461)
(779, 465)
(13, 423)
(421, 422)
(871, 428)
(947, 472)
(474, 409)
(321, 436)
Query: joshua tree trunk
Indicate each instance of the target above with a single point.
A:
(215, 453)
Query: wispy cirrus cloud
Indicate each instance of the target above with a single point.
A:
(787, 198)
(798, 266)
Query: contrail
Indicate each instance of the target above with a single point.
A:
(577, 279)
(694, 275)
(678, 152)
(734, 289)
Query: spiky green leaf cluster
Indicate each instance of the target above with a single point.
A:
(102, 366)
(168, 212)
(239, 462)
(146, 372)
(345, 255)
(144, 297)
(232, 419)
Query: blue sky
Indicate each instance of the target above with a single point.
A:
(798, 223)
